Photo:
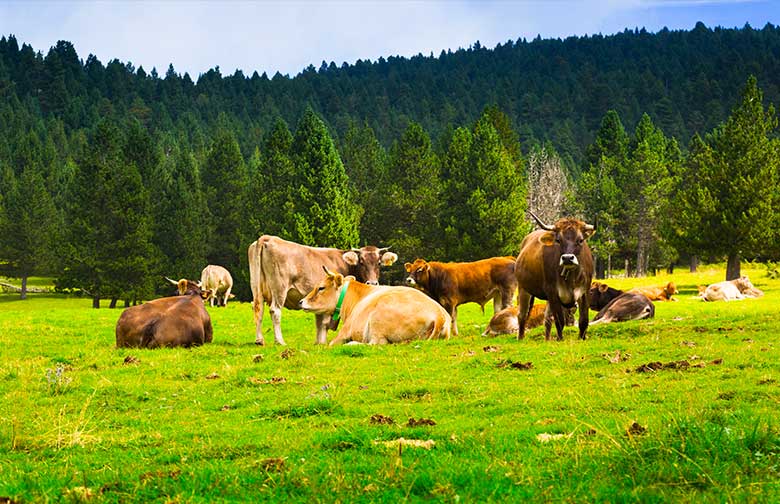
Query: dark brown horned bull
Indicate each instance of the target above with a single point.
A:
(555, 264)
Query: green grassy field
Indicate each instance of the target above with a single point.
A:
(234, 422)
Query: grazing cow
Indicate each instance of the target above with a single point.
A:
(555, 264)
(217, 280)
(167, 322)
(376, 314)
(283, 272)
(627, 306)
(730, 290)
(658, 293)
(600, 294)
(453, 284)
(505, 321)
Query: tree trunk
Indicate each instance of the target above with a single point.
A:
(732, 267)
(24, 287)
(670, 269)
(599, 267)
(627, 268)
(96, 302)
(112, 304)
(694, 263)
(127, 303)
(609, 266)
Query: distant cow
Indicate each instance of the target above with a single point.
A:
(377, 314)
(600, 294)
(217, 280)
(627, 306)
(730, 290)
(453, 284)
(555, 264)
(167, 322)
(658, 293)
(283, 272)
(505, 321)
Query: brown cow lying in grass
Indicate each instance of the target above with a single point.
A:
(627, 306)
(505, 321)
(374, 314)
(730, 290)
(658, 293)
(167, 322)
(601, 294)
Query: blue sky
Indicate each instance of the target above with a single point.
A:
(270, 36)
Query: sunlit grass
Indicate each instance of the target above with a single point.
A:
(219, 423)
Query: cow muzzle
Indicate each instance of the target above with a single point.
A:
(372, 282)
(302, 304)
(569, 260)
(410, 281)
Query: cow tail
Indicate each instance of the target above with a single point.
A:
(255, 277)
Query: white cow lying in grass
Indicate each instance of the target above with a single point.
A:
(730, 290)
(375, 314)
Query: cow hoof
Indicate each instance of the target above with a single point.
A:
(260, 343)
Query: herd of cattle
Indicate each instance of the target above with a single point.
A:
(342, 288)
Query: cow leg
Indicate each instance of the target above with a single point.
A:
(548, 321)
(276, 317)
(322, 330)
(454, 314)
(557, 310)
(583, 306)
(227, 296)
(524, 304)
(258, 306)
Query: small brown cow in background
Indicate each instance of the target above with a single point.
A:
(167, 322)
(600, 295)
(658, 293)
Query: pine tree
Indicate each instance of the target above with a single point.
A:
(415, 193)
(736, 168)
(108, 250)
(325, 211)
(28, 227)
(226, 189)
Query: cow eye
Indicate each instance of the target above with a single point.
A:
(419, 270)
(321, 289)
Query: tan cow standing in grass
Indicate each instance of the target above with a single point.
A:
(217, 280)
(375, 314)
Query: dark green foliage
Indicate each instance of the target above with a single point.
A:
(325, 211)
(108, 250)
(727, 203)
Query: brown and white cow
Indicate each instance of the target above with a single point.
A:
(376, 314)
(283, 272)
(555, 264)
(505, 321)
(453, 284)
(217, 280)
(167, 322)
(627, 306)
(730, 290)
(658, 293)
(600, 294)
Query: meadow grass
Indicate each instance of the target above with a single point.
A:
(234, 422)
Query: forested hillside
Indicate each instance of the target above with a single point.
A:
(112, 175)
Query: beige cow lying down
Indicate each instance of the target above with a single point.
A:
(505, 321)
(377, 314)
(730, 290)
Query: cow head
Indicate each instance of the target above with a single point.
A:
(189, 288)
(418, 273)
(671, 290)
(600, 294)
(324, 296)
(364, 263)
(569, 236)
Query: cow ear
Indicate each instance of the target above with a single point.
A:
(547, 238)
(350, 258)
(603, 287)
(388, 258)
(408, 267)
(205, 294)
(338, 280)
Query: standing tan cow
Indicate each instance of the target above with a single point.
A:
(453, 284)
(217, 280)
(376, 314)
(555, 264)
(283, 272)
(167, 322)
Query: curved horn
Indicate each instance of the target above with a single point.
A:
(589, 227)
(384, 249)
(539, 222)
(174, 282)
(327, 271)
(353, 249)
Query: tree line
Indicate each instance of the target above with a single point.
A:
(111, 205)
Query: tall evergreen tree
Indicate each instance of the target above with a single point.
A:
(730, 210)
(325, 211)
(29, 228)
(108, 247)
